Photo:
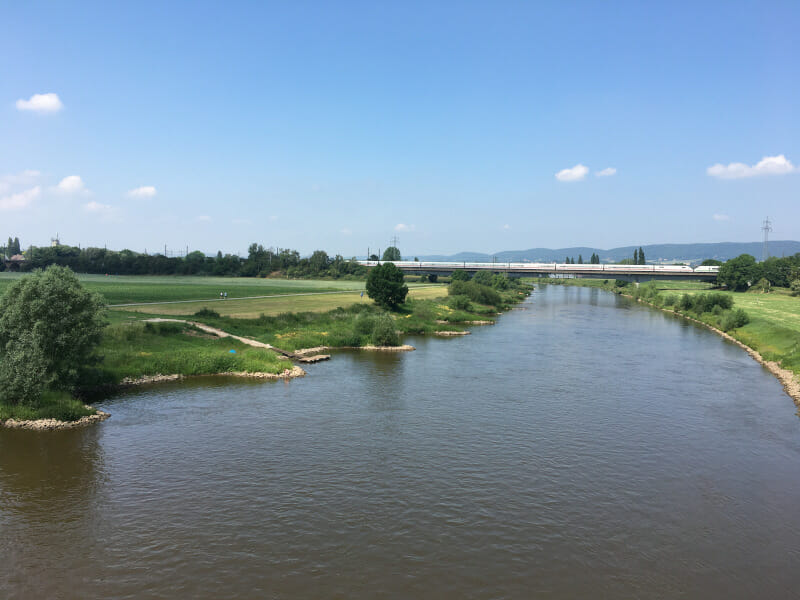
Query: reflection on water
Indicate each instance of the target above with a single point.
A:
(584, 447)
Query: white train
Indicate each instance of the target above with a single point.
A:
(546, 267)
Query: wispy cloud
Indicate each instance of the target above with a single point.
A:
(41, 103)
(71, 184)
(404, 227)
(27, 177)
(146, 191)
(721, 217)
(204, 219)
(346, 231)
(96, 207)
(769, 165)
(19, 200)
(576, 173)
(607, 172)
(506, 226)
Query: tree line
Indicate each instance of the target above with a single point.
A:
(260, 262)
(743, 272)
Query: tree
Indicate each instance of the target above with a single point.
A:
(635, 256)
(739, 273)
(460, 275)
(319, 261)
(483, 278)
(374, 257)
(711, 262)
(385, 285)
(49, 330)
(580, 259)
(641, 256)
(392, 253)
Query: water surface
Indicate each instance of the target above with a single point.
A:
(583, 447)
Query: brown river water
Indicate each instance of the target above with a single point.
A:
(583, 447)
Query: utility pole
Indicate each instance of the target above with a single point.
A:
(766, 227)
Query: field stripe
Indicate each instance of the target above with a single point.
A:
(416, 287)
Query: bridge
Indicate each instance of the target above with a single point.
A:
(635, 273)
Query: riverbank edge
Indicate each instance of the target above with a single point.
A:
(129, 382)
(791, 383)
(54, 424)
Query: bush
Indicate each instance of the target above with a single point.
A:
(734, 319)
(364, 324)
(207, 312)
(458, 302)
(483, 278)
(384, 333)
(475, 292)
(459, 275)
(670, 300)
(385, 285)
(501, 282)
(795, 287)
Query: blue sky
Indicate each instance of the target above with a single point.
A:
(455, 126)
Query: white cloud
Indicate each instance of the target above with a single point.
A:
(96, 207)
(404, 227)
(769, 165)
(241, 221)
(41, 103)
(19, 200)
(506, 226)
(204, 218)
(607, 172)
(146, 191)
(27, 177)
(346, 231)
(576, 173)
(721, 217)
(71, 184)
(273, 218)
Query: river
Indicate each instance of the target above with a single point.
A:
(585, 446)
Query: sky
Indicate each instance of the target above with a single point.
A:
(455, 126)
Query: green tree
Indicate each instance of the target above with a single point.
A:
(711, 262)
(483, 278)
(460, 275)
(49, 322)
(635, 256)
(385, 285)
(580, 259)
(391, 253)
(641, 256)
(10, 247)
(319, 261)
(739, 273)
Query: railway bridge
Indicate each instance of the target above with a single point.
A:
(635, 273)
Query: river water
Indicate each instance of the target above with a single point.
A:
(584, 446)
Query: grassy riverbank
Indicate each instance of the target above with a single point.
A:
(53, 405)
(773, 320)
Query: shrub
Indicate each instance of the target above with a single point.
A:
(475, 292)
(207, 312)
(501, 282)
(734, 319)
(364, 324)
(458, 302)
(670, 300)
(795, 287)
(384, 333)
(459, 275)
(483, 278)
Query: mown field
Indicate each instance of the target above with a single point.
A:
(252, 308)
(123, 289)
(774, 327)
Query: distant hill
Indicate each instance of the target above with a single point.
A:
(693, 253)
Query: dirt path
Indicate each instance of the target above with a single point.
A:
(244, 340)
